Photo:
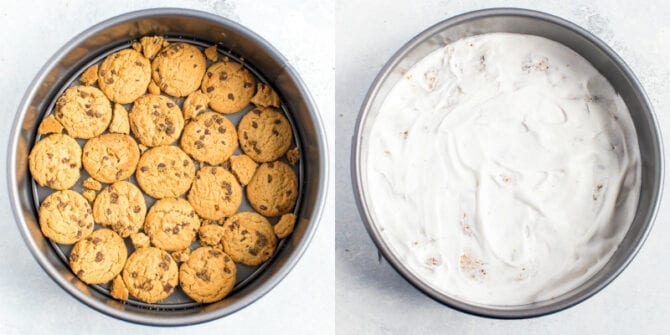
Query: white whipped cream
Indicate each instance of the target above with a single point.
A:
(503, 169)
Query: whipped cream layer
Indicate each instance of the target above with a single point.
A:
(503, 169)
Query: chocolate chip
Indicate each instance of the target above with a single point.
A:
(253, 251)
(207, 132)
(185, 162)
(74, 257)
(133, 274)
(102, 73)
(247, 84)
(138, 63)
(161, 167)
(222, 130)
(163, 265)
(289, 192)
(229, 189)
(210, 89)
(144, 169)
(275, 132)
(169, 104)
(137, 209)
(226, 270)
(269, 178)
(80, 273)
(96, 240)
(99, 257)
(197, 107)
(263, 207)
(277, 121)
(109, 80)
(231, 96)
(175, 230)
(245, 135)
(215, 253)
(89, 113)
(209, 74)
(226, 258)
(114, 198)
(256, 111)
(167, 287)
(254, 124)
(261, 240)
(223, 76)
(271, 165)
(216, 207)
(198, 144)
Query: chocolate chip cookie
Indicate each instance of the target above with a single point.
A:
(84, 111)
(215, 193)
(273, 190)
(55, 161)
(111, 157)
(121, 207)
(171, 224)
(248, 238)
(208, 275)
(265, 134)
(150, 274)
(229, 86)
(124, 76)
(178, 69)
(209, 138)
(165, 171)
(65, 217)
(156, 120)
(99, 257)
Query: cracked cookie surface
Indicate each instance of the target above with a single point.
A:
(111, 157)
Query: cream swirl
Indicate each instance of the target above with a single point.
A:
(503, 169)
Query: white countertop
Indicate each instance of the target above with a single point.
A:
(371, 298)
(31, 302)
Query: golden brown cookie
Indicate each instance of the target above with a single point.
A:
(65, 217)
(165, 171)
(84, 111)
(90, 76)
(153, 88)
(229, 86)
(121, 207)
(194, 104)
(265, 134)
(140, 240)
(210, 234)
(293, 156)
(119, 289)
(55, 161)
(91, 184)
(285, 226)
(215, 193)
(265, 96)
(243, 167)
(209, 138)
(120, 123)
(50, 126)
(137, 46)
(124, 76)
(273, 190)
(156, 120)
(151, 45)
(99, 257)
(171, 224)
(181, 256)
(248, 238)
(211, 53)
(150, 274)
(111, 157)
(178, 69)
(89, 195)
(208, 275)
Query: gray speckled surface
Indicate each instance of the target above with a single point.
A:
(371, 298)
(31, 302)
